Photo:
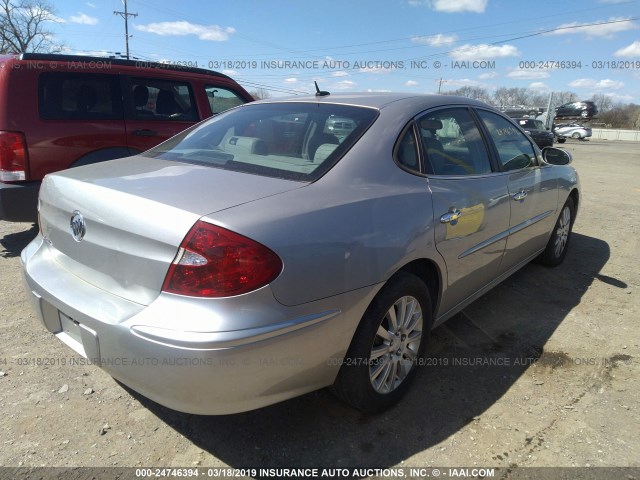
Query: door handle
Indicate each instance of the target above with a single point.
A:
(451, 216)
(145, 133)
(520, 196)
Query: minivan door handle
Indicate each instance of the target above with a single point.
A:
(145, 133)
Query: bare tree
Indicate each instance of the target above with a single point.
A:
(23, 27)
(477, 93)
(260, 93)
(603, 102)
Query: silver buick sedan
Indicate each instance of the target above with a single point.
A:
(261, 255)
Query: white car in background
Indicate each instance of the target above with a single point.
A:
(579, 132)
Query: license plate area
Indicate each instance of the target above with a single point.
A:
(71, 334)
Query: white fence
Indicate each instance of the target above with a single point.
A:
(615, 134)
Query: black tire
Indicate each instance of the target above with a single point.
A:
(561, 140)
(354, 383)
(575, 135)
(557, 247)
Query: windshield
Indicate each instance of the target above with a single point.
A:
(298, 141)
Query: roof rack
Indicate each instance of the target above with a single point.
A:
(119, 61)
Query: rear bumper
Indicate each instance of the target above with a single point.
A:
(194, 355)
(19, 201)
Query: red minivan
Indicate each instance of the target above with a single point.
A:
(60, 111)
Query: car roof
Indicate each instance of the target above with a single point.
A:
(380, 100)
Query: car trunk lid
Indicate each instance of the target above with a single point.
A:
(135, 213)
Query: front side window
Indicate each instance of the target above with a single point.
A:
(298, 141)
(79, 96)
(514, 148)
(221, 99)
(158, 99)
(452, 143)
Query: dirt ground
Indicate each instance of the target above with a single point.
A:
(566, 392)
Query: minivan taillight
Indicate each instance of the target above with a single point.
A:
(13, 157)
(216, 262)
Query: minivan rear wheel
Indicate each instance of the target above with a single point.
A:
(385, 351)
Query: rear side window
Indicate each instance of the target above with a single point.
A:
(158, 99)
(298, 141)
(221, 99)
(73, 96)
(452, 143)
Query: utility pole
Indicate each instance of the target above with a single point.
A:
(440, 84)
(126, 16)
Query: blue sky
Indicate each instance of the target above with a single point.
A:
(367, 45)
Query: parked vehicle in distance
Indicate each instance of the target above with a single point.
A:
(62, 111)
(255, 257)
(517, 111)
(572, 130)
(583, 109)
(537, 131)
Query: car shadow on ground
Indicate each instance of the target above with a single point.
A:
(14, 243)
(514, 320)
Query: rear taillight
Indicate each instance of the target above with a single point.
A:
(216, 262)
(13, 157)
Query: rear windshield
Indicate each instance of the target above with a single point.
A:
(297, 141)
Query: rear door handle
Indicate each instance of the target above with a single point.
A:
(451, 216)
(145, 133)
(520, 196)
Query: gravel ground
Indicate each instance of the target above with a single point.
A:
(566, 393)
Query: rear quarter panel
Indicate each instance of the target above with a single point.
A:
(355, 227)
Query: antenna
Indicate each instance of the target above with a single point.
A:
(320, 93)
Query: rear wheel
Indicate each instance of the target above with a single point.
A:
(383, 357)
(559, 242)
(561, 139)
(575, 135)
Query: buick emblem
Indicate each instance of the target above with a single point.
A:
(78, 227)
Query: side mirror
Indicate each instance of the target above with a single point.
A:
(556, 156)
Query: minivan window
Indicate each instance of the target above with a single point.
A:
(159, 99)
(284, 140)
(221, 99)
(79, 96)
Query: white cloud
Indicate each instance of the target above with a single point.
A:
(437, 40)
(375, 70)
(411, 83)
(602, 84)
(229, 72)
(621, 24)
(344, 85)
(462, 82)
(340, 73)
(291, 80)
(488, 75)
(212, 33)
(378, 90)
(483, 51)
(539, 86)
(83, 19)
(89, 4)
(455, 6)
(528, 74)
(632, 50)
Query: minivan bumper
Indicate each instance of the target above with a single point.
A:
(19, 201)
